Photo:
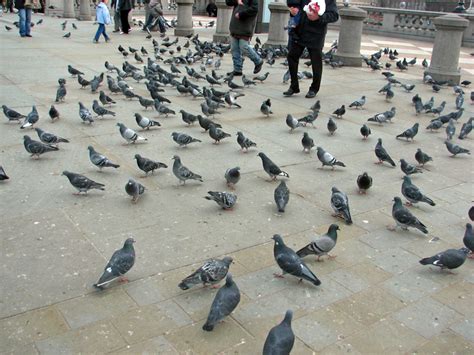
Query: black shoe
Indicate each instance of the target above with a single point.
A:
(235, 73)
(311, 93)
(291, 91)
(258, 67)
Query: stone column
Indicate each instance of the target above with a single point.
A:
(445, 55)
(68, 11)
(350, 36)
(85, 10)
(185, 18)
(224, 13)
(277, 35)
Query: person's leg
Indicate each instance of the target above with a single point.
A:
(250, 52)
(100, 29)
(161, 24)
(22, 17)
(117, 23)
(294, 55)
(27, 22)
(148, 22)
(104, 33)
(236, 54)
(316, 56)
(124, 21)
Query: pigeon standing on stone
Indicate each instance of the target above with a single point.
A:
(129, 134)
(244, 142)
(332, 126)
(182, 139)
(146, 165)
(340, 111)
(182, 172)
(226, 300)
(280, 339)
(409, 133)
(340, 205)
(85, 114)
(101, 111)
(468, 239)
(404, 218)
(49, 138)
(265, 108)
(100, 160)
(12, 115)
(217, 134)
(281, 196)
(321, 245)
(365, 131)
(3, 174)
(73, 71)
(271, 168)
(364, 182)
(36, 148)
(413, 194)
(290, 262)
(212, 272)
(134, 189)
(328, 159)
(82, 183)
(146, 123)
(31, 118)
(466, 128)
(450, 130)
(232, 176)
(292, 122)
(226, 200)
(448, 259)
(455, 149)
(409, 169)
(120, 263)
(53, 113)
(358, 103)
(422, 158)
(382, 154)
(104, 99)
(307, 143)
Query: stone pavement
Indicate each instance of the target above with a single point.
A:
(375, 297)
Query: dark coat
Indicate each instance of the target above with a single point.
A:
(126, 5)
(19, 4)
(311, 34)
(245, 25)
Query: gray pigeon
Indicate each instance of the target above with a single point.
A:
(36, 148)
(413, 193)
(408, 168)
(271, 168)
(340, 205)
(31, 118)
(120, 263)
(188, 117)
(332, 126)
(307, 142)
(265, 108)
(364, 182)
(3, 174)
(85, 114)
(448, 259)
(134, 189)
(146, 165)
(422, 158)
(106, 100)
(321, 245)
(205, 123)
(409, 133)
(12, 115)
(226, 200)
(291, 263)
(61, 93)
(232, 176)
(146, 123)
(244, 142)
(182, 172)
(358, 103)
(450, 129)
(212, 272)
(455, 149)
(281, 196)
(101, 111)
(435, 125)
(49, 138)
(100, 160)
(328, 159)
(365, 131)
(182, 139)
(292, 122)
(468, 239)
(226, 300)
(280, 339)
(405, 218)
(466, 128)
(82, 183)
(382, 154)
(53, 113)
(217, 134)
(129, 134)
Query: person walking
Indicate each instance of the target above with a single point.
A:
(124, 7)
(155, 17)
(310, 33)
(103, 18)
(241, 28)
(117, 24)
(24, 13)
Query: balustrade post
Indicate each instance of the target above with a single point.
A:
(350, 36)
(185, 18)
(68, 9)
(445, 56)
(85, 10)
(224, 14)
(388, 22)
(277, 35)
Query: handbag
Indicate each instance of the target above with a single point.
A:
(32, 4)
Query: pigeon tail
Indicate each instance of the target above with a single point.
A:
(428, 201)
(340, 163)
(183, 285)
(208, 327)
(421, 227)
(309, 276)
(428, 261)
(285, 174)
(305, 251)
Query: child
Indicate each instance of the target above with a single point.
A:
(103, 18)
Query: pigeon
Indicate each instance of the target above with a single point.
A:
(465, 83)
(358, 103)
(364, 182)
(307, 143)
(205, 123)
(466, 129)
(450, 130)
(291, 263)
(36, 148)
(182, 172)
(280, 339)
(261, 77)
(409, 133)
(281, 196)
(413, 194)
(340, 205)
(12, 115)
(188, 117)
(226, 200)
(217, 134)
(448, 259)
(61, 93)
(74, 26)
(331, 126)
(365, 131)
(82, 183)
(101, 111)
(424, 63)
(265, 108)
(182, 139)
(422, 158)
(49, 138)
(100, 160)
(212, 272)
(73, 71)
(309, 119)
(408, 168)
(292, 122)
(232, 176)
(404, 218)
(53, 113)
(85, 114)
(146, 123)
(455, 149)
(146, 165)
(435, 125)
(146, 102)
(129, 134)
(230, 99)
(382, 154)
(328, 159)
(459, 101)
(120, 263)
(437, 110)
(3, 174)
(134, 189)
(244, 142)
(83, 82)
(271, 168)
(468, 239)
(340, 111)
(226, 300)
(8, 28)
(31, 118)
(321, 245)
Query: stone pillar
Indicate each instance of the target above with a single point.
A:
(445, 55)
(224, 13)
(68, 11)
(85, 10)
(185, 18)
(277, 35)
(350, 36)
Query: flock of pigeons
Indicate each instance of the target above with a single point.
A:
(160, 73)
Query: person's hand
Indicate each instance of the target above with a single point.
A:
(313, 16)
(294, 11)
(240, 2)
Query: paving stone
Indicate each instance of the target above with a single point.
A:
(395, 260)
(353, 251)
(445, 342)
(465, 328)
(410, 286)
(152, 346)
(457, 297)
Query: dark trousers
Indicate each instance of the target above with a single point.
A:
(124, 21)
(316, 57)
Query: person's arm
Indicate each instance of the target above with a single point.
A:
(231, 2)
(331, 14)
(249, 10)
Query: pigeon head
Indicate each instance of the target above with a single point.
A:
(90, 149)
(39, 130)
(288, 317)
(319, 149)
(334, 189)
(119, 125)
(397, 201)
(239, 134)
(137, 156)
(333, 227)
(174, 134)
(65, 173)
(227, 260)
(379, 140)
(278, 239)
(4, 107)
(305, 134)
(261, 155)
(465, 250)
(27, 138)
(81, 105)
(407, 179)
(229, 281)
(129, 242)
(175, 157)
(416, 125)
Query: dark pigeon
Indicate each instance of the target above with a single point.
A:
(212, 272)
(448, 259)
(82, 183)
(405, 218)
(146, 165)
(281, 196)
(271, 168)
(364, 182)
(280, 339)
(413, 194)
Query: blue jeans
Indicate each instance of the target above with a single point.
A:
(152, 22)
(240, 47)
(101, 31)
(25, 21)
